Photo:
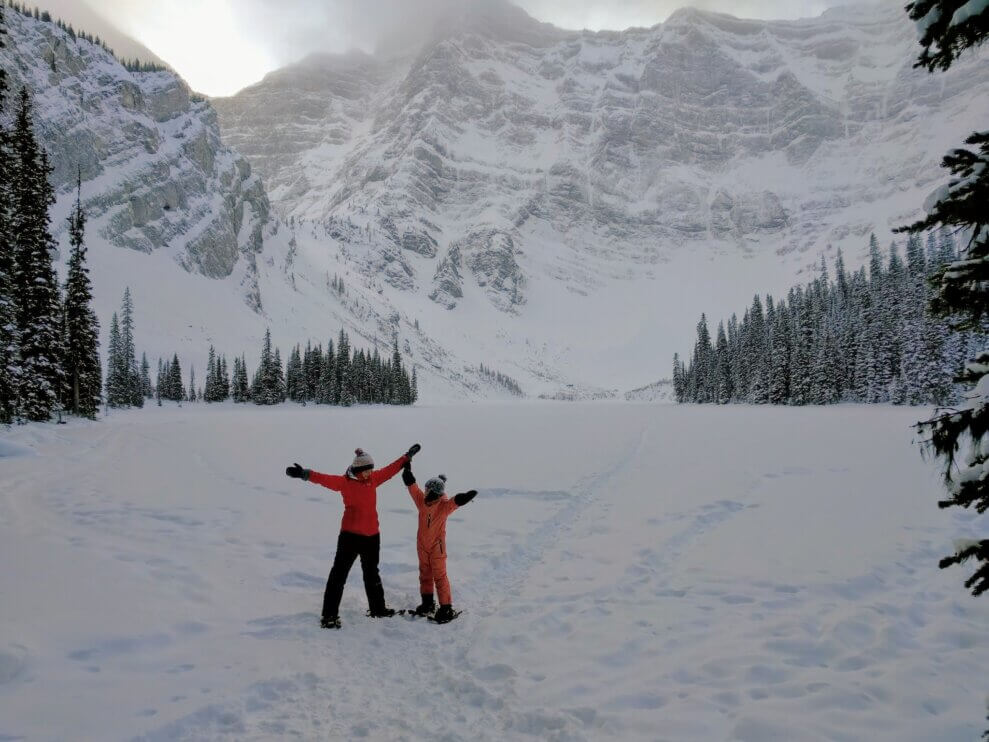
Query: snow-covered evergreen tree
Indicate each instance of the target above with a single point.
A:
(344, 392)
(327, 391)
(209, 389)
(174, 382)
(84, 377)
(133, 375)
(856, 338)
(116, 371)
(146, 389)
(948, 28)
(10, 367)
(36, 286)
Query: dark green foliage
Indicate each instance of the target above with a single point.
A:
(36, 290)
(338, 377)
(84, 377)
(495, 377)
(146, 389)
(948, 27)
(943, 35)
(124, 384)
(9, 330)
(849, 338)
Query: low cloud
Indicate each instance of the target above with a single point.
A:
(220, 46)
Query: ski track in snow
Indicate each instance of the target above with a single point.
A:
(170, 585)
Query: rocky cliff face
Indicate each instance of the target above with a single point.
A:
(506, 149)
(156, 175)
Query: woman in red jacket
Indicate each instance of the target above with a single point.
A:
(359, 534)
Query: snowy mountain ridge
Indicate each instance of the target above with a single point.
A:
(505, 138)
(157, 175)
(550, 204)
(564, 190)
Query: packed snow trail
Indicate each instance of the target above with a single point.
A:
(627, 571)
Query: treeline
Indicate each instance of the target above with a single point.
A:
(132, 65)
(868, 336)
(502, 380)
(49, 335)
(338, 376)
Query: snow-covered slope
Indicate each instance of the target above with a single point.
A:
(696, 574)
(181, 218)
(515, 167)
(157, 176)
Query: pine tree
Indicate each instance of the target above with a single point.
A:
(755, 351)
(779, 358)
(223, 379)
(146, 389)
(9, 331)
(175, 391)
(160, 382)
(724, 391)
(963, 285)
(294, 379)
(343, 392)
(36, 286)
(116, 379)
(243, 388)
(133, 376)
(276, 382)
(192, 384)
(82, 330)
(327, 378)
(210, 391)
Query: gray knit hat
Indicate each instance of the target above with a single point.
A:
(436, 485)
(362, 461)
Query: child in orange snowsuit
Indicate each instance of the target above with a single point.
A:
(434, 508)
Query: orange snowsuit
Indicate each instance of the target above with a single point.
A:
(431, 543)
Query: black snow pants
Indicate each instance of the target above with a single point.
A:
(349, 547)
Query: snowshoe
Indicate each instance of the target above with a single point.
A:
(427, 607)
(329, 622)
(444, 615)
(381, 612)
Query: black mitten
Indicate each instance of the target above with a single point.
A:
(297, 472)
(464, 497)
(407, 476)
(413, 451)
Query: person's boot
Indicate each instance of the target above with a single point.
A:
(381, 612)
(427, 606)
(445, 614)
(329, 622)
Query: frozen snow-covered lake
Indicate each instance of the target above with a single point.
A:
(627, 571)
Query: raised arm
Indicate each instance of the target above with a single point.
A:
(383, 475)
(409, 479)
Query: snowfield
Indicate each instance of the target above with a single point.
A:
(628, 571)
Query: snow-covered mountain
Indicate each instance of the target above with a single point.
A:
(543, 174)
(505, 135)
(157, 175)
(173, 212)
(559, 206)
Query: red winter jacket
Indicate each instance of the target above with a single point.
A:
(360, 499)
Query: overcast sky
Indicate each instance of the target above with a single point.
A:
(221, 46)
